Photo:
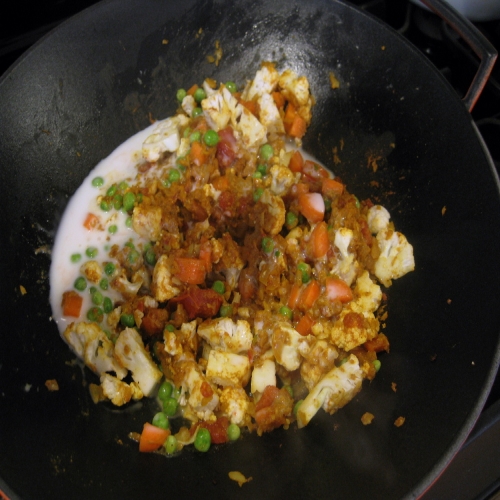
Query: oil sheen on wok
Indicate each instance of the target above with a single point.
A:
(209, 263)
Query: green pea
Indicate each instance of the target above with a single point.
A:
(129, 244)
(105, 206)
(76, 257)
(128, 221)
(170, 406)
(358, 204)
(92, 290)
(343, 360)
(199, 94)
(107, 305)
(171, 444)
(112, 190)
(109, 268)
(305, 270)
(180, 94)
(170, 328)
(174, 175)
(80, 283)
(226, 310)
(161, 420)
(257, 194)
(233, 432)
(133, 256)
(97, 298)
(288, 388)
(91, 252)
(286, 311)
(219, 287)
(211, 138)
(291, 220)
(127, 320)
(231, 86)
(165, 390)
(150, 257)
(113, 229)
(123, 185)
(176, 393)
(262, 169)
(297, 406)
(377, 364)
(128, 201)
(196, 112)
(257, 175)
(95, 314)
(266, 152)
(202, 441)
(195, 136)
(267, 244)
(97, 181)
(187, 132)
(117, 201)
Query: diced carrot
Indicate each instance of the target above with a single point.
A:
(337, 289)
(221, 183)
(71, 304)
(206, 255)
(298, 127)
(332, 187)
(304, 325)
(268, 396)
(296, 162)
(193, 89)
(314, 171)
(279, 99)
(250, 105)
(198, 154)
(379, 343)
(201, 125)
(309, 295)
(319, 240)
(191, 271)
(290, 114)
(293, 299)
(152, 437)
(312, 206)
(91, 221)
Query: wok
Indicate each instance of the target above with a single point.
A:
(98, 79)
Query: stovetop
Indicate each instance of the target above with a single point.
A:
(475, 471)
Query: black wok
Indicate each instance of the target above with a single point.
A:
(98, 79)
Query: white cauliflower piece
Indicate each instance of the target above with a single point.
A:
(125, 287)
(226, 335)
(333, 391)
(273, 217)
(146, 222)
(188, 104)
(218, 108)
(131, 353)
(184, 147)
(162, 286)
(320, 359)
(265, 81)
(173, 345)
(368, 294)
(228, 369)
(92, 270)
(234, 404)
(207, 88)
(269, 115)
(252, 133)
(282, 179)
(296, 90)
(396, 256)
(92, 345)
(378, 218)
(285, 342)
(346, 267)
(263, 374)
(118, 392)
(165, 137)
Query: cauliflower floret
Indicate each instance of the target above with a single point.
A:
(396, 256)
(378, 218)
(146, 222)
(272, 218)
(263, 374)
(282, 179)
(188, 104)
(119, 392)
(285, 342)
(162, 286)
(333, 391)
(173, 345)
(296, 90)
(218, 108)
(92, 271)
(125, 287)
(91, 344)
(226, 335)
(233, 404)
(269, 115)
(165, 137)
(228, 369)
(252, 133)
(368, 294)
(130, 352)
(346, 267)
(184, 147)
(319, 360)
(265, 81)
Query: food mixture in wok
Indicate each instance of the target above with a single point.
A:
(210, 263)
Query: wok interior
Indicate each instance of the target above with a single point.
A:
(97, 80)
